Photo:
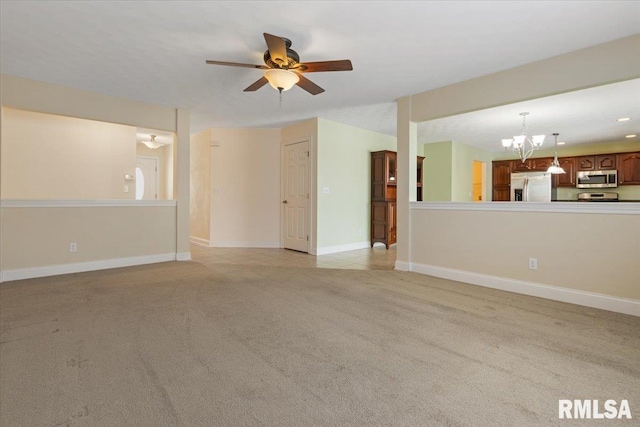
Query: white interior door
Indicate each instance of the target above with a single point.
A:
(146, 178)
(296, 196)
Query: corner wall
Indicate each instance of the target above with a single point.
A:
(598, 65)
(344, 169)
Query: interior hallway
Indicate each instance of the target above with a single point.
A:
(376, 258)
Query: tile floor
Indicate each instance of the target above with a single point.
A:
(377, 258)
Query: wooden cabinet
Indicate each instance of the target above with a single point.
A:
(383, 195)
(419, 175)
(606, 162)
(501, 180)
(586, 163)
(531, 165)
(567, 179)
(628, 168)
(596, 163)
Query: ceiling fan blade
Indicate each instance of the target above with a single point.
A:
(314, 67)
(309, 86)
(237, 64)
(257, 85)
(277, 49)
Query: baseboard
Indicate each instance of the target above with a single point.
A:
(402, 266)
(343, 248)
(199, 241)
(556, 293)
(236, 244)
(54, 270)
(183, 256)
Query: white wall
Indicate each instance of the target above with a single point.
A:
(344, 167)
(245, 188)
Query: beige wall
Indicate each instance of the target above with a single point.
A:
(344, 167)
(497, 244)
(245, 187)
(138, 237)
(40, 237)
(47, 156)
(200, 204)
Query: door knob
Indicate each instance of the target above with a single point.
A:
(284, 201)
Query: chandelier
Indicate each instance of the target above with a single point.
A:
(517, 143)
(555, 165)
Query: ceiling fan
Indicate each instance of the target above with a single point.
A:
(283, 68)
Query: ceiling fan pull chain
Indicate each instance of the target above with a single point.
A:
(280, 90)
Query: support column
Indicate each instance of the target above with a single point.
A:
(182, 185)
(407, 138)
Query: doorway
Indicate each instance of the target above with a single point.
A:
(295, 200)
(146, 178)
(479, 184)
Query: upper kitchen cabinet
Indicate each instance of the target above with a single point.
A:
(531, 165)
(596, 163)
(606, 162)
(628, 168)
(568, 178)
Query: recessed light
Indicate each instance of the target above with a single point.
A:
(561, 143)
(631, 136)
(624, 119)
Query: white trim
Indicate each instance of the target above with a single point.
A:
(54, 270)
(235, 244)
(402, 266)
(556, 293)
(343, 248)
(620, 208)
(183, 256)
(85, 203)
(199, 241)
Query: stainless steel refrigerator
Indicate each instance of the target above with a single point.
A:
(531, 187)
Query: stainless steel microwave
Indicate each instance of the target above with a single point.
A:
(597, 179)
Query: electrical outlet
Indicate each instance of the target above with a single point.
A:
(533, 263)
(73, 247)
(126, 188)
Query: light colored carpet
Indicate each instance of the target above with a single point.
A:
(184, 344)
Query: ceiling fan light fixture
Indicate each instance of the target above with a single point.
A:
(281, 79)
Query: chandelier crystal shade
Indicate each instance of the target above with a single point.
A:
(519, 142)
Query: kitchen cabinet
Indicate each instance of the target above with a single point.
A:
(628, 168)
(567, 179)
(501, 180)
(586, 163)
(540, 164)
(596, 163)
(606, 162)
(383, 195)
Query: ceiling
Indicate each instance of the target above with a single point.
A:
(155, 51)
